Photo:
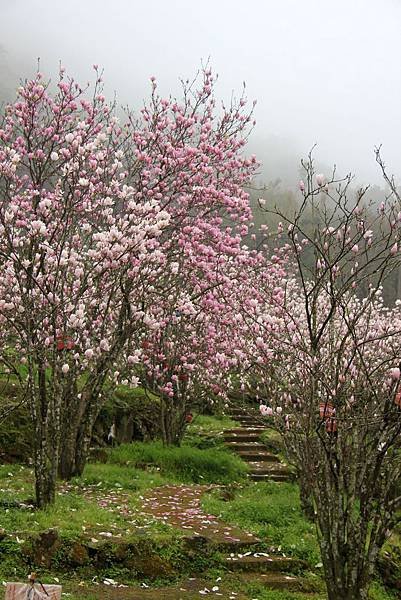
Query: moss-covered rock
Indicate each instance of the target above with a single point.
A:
(149, 558)
(39, 550)
(78, 555)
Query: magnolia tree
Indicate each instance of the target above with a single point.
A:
(98, 225)
(197, 342)
(191, 159)
(333, 371)
(74, 243)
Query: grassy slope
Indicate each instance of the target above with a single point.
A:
(271, 511)
(185, 464)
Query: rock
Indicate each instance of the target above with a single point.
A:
(152, 566)
(196, 543)
(47, 539)
(142, 559)
(78, 555)
(40, 550)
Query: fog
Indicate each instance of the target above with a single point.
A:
(322, 72)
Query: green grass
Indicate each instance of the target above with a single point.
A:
(77, 506)
(257, 591)
(270, 510)
(16, 483)
(273, 440)
(77, 509)
(70, 515)
(378, 592)
(117, 476)
(207, 431)
(211, 424)
(273, 513)
(185, 464)
(263, 594)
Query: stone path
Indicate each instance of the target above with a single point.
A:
(180, 506)
(245, 441)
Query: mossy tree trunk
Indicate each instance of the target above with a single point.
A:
(45, 416)
(173, 416)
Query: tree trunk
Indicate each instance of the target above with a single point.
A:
(74, 408)
(75, 450)
(77, 433)
(347, 578)
(45, 484)
(84, 433)
(66, 467)
(45, 466)
(173, 423)
(337, 592)
(46, 426)
(305, 497)
(82, 447)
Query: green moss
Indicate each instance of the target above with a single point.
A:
(70, 515)
(207, 431)
(142, 407)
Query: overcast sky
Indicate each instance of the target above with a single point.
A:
(322, 71)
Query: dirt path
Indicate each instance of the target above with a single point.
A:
(180, 506)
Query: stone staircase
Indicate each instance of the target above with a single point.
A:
(241, 552)
(245, 441)
(272, 570)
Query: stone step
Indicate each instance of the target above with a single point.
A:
(247, 416)
(237, 546)
(242, 438)
(258, 427)
(248, 447)
(279, 581)
(268, 467)
(242, 430)
(269, 477)
(234, 412)
(263, 563)
(250, 420)
(188, 589)
(258, 456)
(245, 423)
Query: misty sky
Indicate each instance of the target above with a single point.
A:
(323, 71)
